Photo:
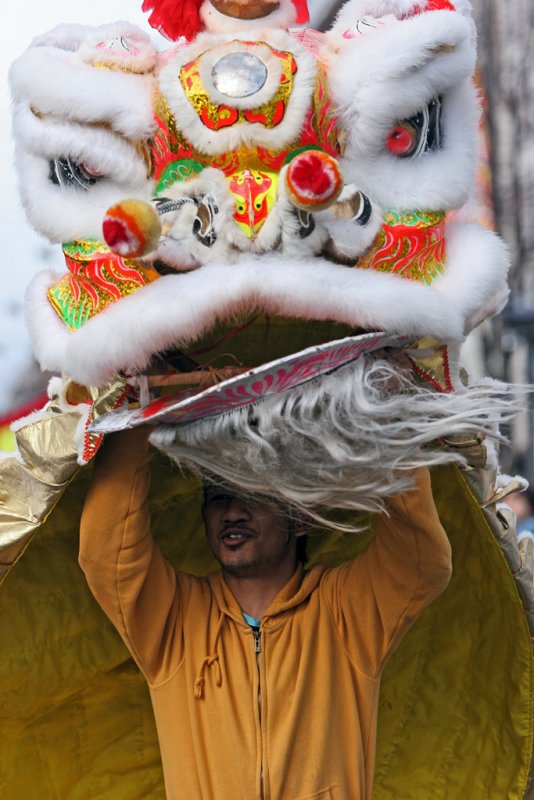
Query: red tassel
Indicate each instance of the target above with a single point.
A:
(303, 15)
(175, 18)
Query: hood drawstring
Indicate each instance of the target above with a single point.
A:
(210, 661)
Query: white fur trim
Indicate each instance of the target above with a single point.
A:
(503, 480)
(63, 109)
(108, 154)
(47, 332)
(120, 45)
(176, 251)
(177, 309)
(434, 49)
(60, 214)
(58, 390)
(349, 238)
(65, 36)
(440, 179)
(399, 72)
(57, 82)
(354, 9)
(182, 243)
(287, 226)
(477, 267)
(241, 134)
(29, 419)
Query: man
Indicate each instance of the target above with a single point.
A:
(264, 677)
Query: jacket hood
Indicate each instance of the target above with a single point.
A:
(297, 589)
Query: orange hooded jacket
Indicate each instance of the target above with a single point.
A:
(291, 716)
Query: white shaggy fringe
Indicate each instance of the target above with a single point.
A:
(347, 441)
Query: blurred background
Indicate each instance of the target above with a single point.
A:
(502, 348)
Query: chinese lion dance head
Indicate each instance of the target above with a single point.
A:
(260, 189)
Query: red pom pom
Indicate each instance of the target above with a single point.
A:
(116, 234)
(175, 18)
(308, 176)
(313, 180)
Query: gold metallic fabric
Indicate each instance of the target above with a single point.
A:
(456, 710)
(216, 116)
(50, 447)
(430, 361)
(32, 483)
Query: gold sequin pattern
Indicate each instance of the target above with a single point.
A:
(410, 245)
(215, 115)
(96, 278)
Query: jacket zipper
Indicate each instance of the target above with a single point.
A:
(257, 643)
(257, 651)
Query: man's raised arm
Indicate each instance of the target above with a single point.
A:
(125, 570)
(376, 597)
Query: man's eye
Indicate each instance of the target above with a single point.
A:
(219, 497)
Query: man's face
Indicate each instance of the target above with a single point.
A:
(248, 535)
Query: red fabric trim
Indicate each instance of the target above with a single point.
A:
(439, 5)
(431, 5)
(447, 386)
(22, 411)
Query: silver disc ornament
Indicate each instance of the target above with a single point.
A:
(239, 75)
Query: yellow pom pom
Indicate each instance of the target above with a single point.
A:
(131, 228)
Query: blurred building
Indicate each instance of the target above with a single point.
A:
(506, 49)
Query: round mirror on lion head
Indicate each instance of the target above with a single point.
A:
(239, 75)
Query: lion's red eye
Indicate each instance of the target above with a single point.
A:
(402, 139)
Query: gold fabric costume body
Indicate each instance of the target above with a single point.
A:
(63, 667)
(51, 444)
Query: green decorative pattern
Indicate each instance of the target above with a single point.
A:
(414, 218)
(177, 172)
(73, 313)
